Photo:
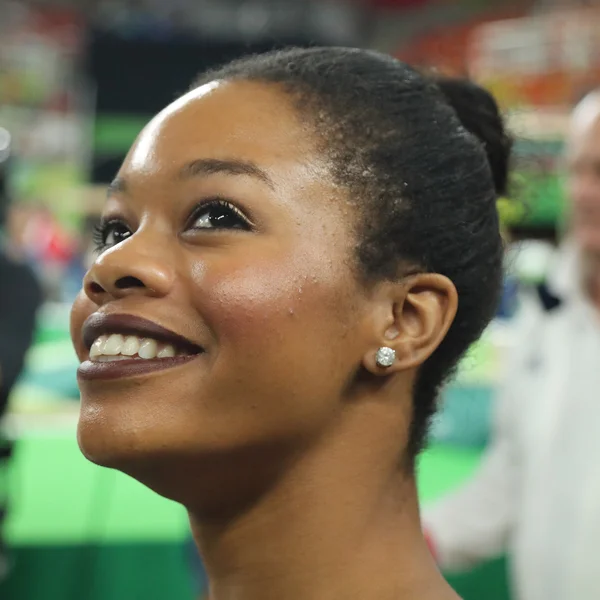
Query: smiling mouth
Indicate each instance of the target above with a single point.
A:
(125, 346)
(117, 356)
(121, 367)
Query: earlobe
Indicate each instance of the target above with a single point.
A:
(385, 357)
(417, 317)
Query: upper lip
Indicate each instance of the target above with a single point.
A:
(102, 324)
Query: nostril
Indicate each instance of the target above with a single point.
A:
(96, 288)
(128, 282)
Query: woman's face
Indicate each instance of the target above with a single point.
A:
(228, 245)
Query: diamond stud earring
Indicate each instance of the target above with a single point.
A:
(385, 357)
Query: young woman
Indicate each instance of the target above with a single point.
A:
(292, 259)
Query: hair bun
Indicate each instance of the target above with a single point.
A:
(479, 113)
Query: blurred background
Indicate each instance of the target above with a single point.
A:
(78, 81)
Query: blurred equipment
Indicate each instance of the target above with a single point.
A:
(140, 60)
(340, 22)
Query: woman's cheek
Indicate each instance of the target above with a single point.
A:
(268, 290)
(82, 308)
(255, 303)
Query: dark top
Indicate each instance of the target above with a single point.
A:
(20, 297)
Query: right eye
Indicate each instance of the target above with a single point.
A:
(109, 234)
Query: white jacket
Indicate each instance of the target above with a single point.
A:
(537, 491)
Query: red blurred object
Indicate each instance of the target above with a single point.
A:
(430, 544)
(60, 249)
(446, 48)
(63, 23)
(45, 240)
(546, 60)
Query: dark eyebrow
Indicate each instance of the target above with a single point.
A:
(205, 166)
(210, 166)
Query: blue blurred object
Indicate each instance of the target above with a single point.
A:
(509, 300)
(465, 416)
(197, 568)
(73, 279)
(60, 382)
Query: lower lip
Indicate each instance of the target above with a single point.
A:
(118, 369)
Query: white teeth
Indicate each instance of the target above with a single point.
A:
(166, 352)
(112, 358)
(98, 346)
(130, 346)
(113, 345)
(148, 348)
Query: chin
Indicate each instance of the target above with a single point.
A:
(104, 446)
(156, 466)
(110, 436)
(201, 473)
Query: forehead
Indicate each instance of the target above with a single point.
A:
(223, 120)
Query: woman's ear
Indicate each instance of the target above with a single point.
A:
(412, 317)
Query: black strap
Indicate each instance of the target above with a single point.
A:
(549, 300)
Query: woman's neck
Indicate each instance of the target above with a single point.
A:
(332, 528)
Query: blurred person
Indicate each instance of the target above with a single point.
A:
(292, 259)
(20, 297)
(537, 491)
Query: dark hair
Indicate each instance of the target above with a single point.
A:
(424, 159)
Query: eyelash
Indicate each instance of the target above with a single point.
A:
(221, 203)
(101, 230)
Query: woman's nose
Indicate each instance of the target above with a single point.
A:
(128, 269)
